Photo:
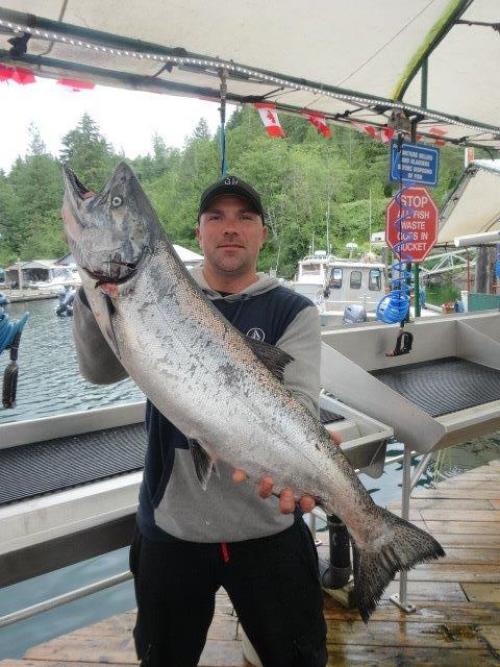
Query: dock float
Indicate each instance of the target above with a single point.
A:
(457, 621)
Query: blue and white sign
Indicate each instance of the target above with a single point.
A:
(415, 164)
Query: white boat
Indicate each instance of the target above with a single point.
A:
(351, 282)
(334, 284)
(312, 275)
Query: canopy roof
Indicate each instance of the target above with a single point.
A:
(474, 205)
(355, 60)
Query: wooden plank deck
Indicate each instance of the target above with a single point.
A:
(457, 622)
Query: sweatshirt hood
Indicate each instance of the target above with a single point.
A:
(264, 283)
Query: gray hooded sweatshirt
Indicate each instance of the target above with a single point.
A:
(172, 502)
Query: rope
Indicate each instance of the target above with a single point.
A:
(222, 109)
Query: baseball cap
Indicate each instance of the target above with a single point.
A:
(231, 186)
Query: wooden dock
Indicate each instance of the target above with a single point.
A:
(457, 622)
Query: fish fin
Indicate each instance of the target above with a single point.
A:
(404, 545)
(271, 356)
(203, 463)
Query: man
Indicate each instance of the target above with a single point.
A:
(190, 542)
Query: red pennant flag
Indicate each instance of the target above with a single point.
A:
(319, 121)
(6, 73)
(370, 130)
(76, 85)
(270, 119)
(23, 76)
(438, 132)
(387, 134)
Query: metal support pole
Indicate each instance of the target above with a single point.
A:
(339, 568)
(423, 84)
(420, 469)
(416, 288)
(47, 605)
(400, 599)
(222, 110)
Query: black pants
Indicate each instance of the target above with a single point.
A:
(273, 583)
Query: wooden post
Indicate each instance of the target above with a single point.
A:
(481, 270)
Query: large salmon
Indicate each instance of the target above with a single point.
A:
(222, 390)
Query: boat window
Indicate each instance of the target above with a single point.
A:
(336, 279)
(375, 280)
(311, 268)
(355, 279)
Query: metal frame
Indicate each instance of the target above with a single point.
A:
(409, 482)
(447, 261)
(165, 56)
(37, 559)
(52, 603)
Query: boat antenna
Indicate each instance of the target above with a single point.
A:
(222, 110)
(370, 222)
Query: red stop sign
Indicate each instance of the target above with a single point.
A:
(413, 236)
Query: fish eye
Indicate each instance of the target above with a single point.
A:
(116, 201)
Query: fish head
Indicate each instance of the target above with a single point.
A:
(110, 233)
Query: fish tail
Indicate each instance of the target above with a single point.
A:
(403, 546)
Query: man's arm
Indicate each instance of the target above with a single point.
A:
(96, 360)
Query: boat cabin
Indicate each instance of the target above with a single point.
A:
(350, 282)
(312, 274)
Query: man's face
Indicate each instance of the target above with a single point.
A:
(231, 235)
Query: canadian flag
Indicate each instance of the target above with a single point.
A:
(319, 122)
(438, 133)
(6, 73)
(270, 119)
(18, 74)
(76, 85)
(370, 130)
(387, 134)
(383, 134)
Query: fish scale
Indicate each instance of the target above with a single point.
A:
(216, 386)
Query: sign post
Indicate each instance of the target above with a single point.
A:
(411, 227)
(412, 224)
(414, 163)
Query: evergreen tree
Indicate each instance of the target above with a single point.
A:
(37, 187)
(36, 145)
(88, 153)
(309, 185)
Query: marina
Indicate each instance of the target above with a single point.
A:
(457, 617)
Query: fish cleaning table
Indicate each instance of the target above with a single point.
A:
(442, 386)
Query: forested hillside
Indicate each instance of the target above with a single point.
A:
(305, 179)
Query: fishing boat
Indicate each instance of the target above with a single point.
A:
(335, 284)
(312, 275)
(352, 291)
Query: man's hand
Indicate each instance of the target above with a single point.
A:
(287, 497)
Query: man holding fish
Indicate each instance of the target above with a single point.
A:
(196, 534)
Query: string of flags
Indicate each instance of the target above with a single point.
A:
(269, 116)
(267, 111)
(24, 76)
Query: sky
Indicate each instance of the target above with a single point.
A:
(127, 119)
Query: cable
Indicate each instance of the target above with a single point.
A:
(394, 307)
